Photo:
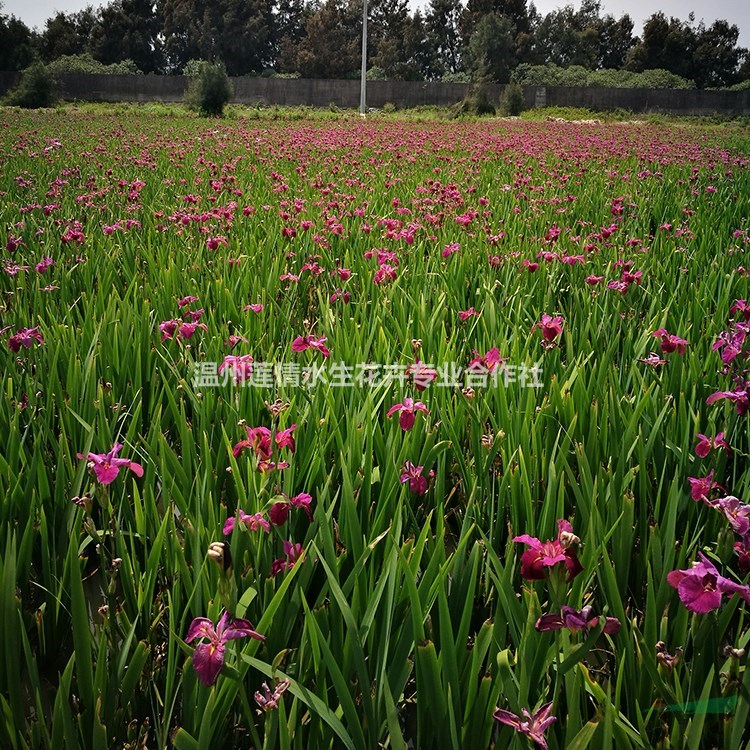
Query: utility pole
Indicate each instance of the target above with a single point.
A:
(363, 81)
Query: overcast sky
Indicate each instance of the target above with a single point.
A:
(35, 12)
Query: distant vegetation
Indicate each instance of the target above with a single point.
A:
(480, 40)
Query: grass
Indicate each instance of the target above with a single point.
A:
(406, 619)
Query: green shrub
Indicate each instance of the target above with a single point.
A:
(609, 78)
(209, 88)
(662, 79)
(512, 101)
(193, 68)
(35, 89)
(575, 75)
(456, 78)
(479, 95)
(87, 64)
(538, 75)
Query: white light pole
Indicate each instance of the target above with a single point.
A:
(363, 81)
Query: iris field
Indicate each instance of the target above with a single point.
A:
(342, 433)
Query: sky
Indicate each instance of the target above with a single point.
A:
(35, 12)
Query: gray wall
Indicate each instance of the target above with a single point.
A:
(322, 93)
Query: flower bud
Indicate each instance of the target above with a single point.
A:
(568, 539)
(734, 653)
(220, 554)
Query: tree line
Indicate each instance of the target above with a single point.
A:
(449, 40)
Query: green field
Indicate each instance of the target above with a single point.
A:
(371, 572)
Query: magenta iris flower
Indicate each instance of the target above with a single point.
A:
(740, 397)
(731, 343)
(303, 343)
(701, 587)
(213, 242)
(742, 549)
(259, 441)
(541, 555)
(421, 375)
(44, 264)
(551, 327)
(408, 410)
(340, 294)
(168, 329)
(208, 658)
(736, 512)
(487, 362)
(13, 244)
(252, 522)
(670, 342)
(187, 330)
(466, 314)
(576, 621)
(701, 487)
(653, 359)
(25, 337)
(106, 466)
(418, 483)
(532, 725)
(705, 444)
(279, 512)
(285, 438)
(241, 367)
(292, 553)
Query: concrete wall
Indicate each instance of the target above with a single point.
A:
(322, 93)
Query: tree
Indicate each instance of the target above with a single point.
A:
(246, 40)
(615, 41)
(515, 10)
(743, 74)
(443, 36)
(67, 34)
(566, 38)
(289, 22)
(667, 44)
(717, 56)
(388, 26)
(420, 58)
(129, 30)
(331, 47)
(492, 48)
(35, 89)
(16, 43)
(237, 32)
(209, 89)
(518, 14)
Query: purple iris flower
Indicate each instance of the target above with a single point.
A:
(208, 658)
(701, 587)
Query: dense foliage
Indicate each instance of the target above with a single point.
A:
(421, 424)
(35, 88)
(479, 39)
(209, 88)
